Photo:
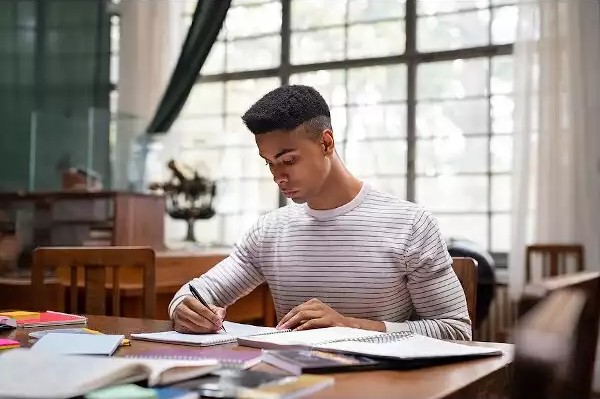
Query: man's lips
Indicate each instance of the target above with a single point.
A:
(289, 192)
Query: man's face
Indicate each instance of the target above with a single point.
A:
(298, 162)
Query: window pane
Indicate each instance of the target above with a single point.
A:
(373, 10)
(502, 74)
(215, 62)
(243, 162)
(376, 40)
(253, 20)
(377, 84)
(501, 148)
(205, 160)
(241, 94)
(453, 31)
(236, 132)
(391, 185)
(115, 37)
(372, 121)
(204, 98)
(500, 233)
(330, 83)
(245, 55)
(471, 227)
(452, 193)
(501, 193)
(452, 79)
(502, 108)
(311, 13)
(504, 24)
(192, 132)
(431, 7)
(338, 122)
(451, 155)
(317, 46)
(452, 118)
(376, 157)
(235, 195)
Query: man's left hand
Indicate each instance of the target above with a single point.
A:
(314, 314)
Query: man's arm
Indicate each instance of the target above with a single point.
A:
(232, 278)
(435, 291)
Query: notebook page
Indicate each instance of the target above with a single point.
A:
(234, 331)
(411, 348)
(306, 337)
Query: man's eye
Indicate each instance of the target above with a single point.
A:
(289, 161)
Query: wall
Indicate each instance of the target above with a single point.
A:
(54, 60)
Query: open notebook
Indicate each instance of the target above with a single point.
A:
(63, 376)
(394, 346)
(234, 331)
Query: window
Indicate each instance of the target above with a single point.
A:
(420, 95)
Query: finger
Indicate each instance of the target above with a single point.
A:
(196, 306)
(314, 323)
(220, 312)
(302, 316)
(200, 320)
(304, 306)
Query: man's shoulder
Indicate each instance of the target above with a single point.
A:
(379, 200)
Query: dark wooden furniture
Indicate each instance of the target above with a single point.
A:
(555, 260)
(548, 348)
(96, 269)
(466, 271)
(469, 379)
(587, 324)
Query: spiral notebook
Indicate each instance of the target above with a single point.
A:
(234, 331)
(392, 346)
(226, 357)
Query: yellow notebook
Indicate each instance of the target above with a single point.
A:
(20, 314)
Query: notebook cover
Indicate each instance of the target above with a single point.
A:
(8, 344)
(227, 357)
(78, 344)
(291, 387)
(311, 361)
(33, 319)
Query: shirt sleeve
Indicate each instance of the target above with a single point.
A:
(437, 296)
(233, 277)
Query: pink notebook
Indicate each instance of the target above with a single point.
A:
(227, 357)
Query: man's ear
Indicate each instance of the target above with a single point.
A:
(327, 142)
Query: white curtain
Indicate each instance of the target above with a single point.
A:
(556, 174)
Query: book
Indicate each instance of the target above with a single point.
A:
(286, 388)
(226, 357)
(234, 331)
(7, 323)
(8, 344)
(298, 361)
(63, 376)
(394, 346)
(78, 344)
(131, 391)
(42, 319)
(41, 333)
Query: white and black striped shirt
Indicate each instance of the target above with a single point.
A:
(376, 257)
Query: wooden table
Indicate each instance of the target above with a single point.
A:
(482, 378)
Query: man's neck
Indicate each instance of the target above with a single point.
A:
(339, 188)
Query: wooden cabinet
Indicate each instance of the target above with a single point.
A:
(81, 218)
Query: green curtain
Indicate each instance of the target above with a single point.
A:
(206, 24)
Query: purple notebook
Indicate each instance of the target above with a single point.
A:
(227, 357)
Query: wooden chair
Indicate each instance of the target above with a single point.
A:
(580, 368)
(100, 265)
(466, 271)
(554, 259)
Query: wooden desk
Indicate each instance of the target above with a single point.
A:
(483, 378)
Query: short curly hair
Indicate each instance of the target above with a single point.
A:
(288, 107)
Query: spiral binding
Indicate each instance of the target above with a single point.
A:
(223, 363)
(374, 339)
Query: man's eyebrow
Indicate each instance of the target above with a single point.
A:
(279, 154)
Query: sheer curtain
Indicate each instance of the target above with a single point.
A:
(556, 181)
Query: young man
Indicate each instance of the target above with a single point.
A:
(344, 254)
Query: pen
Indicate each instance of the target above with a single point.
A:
(196, 295)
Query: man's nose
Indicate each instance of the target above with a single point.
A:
(279, 177)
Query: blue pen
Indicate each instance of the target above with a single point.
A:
(196, 295)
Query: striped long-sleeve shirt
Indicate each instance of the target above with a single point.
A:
(376, 257)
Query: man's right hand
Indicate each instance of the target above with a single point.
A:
(191, 317)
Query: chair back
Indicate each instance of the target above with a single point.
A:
(101, 268)
(581, 367)
(546, 348)
(550, 260)
(466, 271)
